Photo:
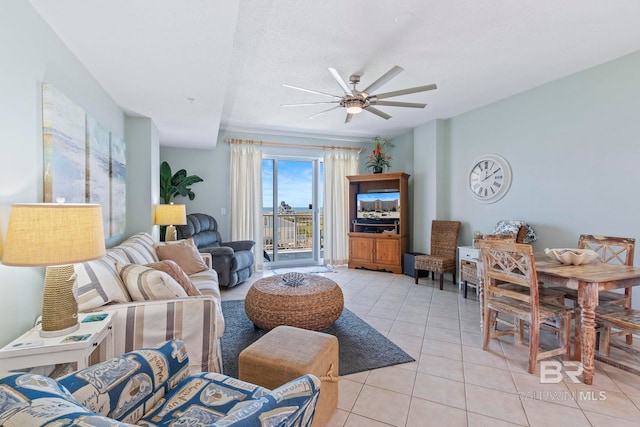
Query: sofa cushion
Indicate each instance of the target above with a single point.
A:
(185, 253)
(137, 249)
(173, 269)
(146, 283)
(130, 385)
(98, 284)
(207, 283)
(26, 398)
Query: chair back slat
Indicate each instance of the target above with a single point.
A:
(611, 250)
(505, 264)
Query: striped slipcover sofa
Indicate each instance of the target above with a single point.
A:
(153, 387)
(196, 320)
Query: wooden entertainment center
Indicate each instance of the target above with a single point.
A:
(378, 241)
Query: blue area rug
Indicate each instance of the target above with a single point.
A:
(361, 347)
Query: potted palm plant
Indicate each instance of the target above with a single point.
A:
(172, 185)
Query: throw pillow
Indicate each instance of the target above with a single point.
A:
(146, 283)
(98, 283)
(173, 269)
(185, 253)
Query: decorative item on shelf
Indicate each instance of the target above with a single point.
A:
(572, 256)
(55, 235)
(293, 279)
(379, 158)
(170, 215)
(477, 236)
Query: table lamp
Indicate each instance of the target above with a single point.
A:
(55, 235)
(171, 215)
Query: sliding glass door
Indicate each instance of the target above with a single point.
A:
(292, 210)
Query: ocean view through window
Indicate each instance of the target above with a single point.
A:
(291, 190)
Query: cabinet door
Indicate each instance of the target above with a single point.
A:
(387, 251)
(361, 249)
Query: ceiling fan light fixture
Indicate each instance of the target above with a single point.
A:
(353, 107)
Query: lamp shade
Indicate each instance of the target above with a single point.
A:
(47, 234)
(171, 214)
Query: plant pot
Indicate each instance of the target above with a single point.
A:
(377, 169)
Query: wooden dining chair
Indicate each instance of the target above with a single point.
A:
(508, 264)
(442, 257)
(610, 250)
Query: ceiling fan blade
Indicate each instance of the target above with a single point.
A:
(377, 112)
(309, 103)
(383, 79)
(400, 104)
(406, 91)
(340, 81)
(322, 112)
(348, 118)
(311, 91)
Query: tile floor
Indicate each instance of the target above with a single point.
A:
(453, 382)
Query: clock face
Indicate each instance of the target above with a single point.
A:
(489, 178)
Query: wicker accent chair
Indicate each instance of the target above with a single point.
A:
(442, 259)
(511, 264)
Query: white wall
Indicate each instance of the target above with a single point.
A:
(32, 54)
(574, 149)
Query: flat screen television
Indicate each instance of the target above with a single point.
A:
(379, 205)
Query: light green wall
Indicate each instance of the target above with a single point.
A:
(143, 169)
(213, 166)
(574, 149)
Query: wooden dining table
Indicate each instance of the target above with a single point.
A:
(589, 280)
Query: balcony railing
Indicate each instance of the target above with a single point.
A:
(295, 232)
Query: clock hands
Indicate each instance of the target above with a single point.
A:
(490, 174)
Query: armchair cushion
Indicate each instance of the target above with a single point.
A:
(152, 387)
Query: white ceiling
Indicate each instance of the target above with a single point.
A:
(197, 66)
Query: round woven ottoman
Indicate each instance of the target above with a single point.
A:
(315, 304)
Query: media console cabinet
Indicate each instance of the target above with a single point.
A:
(378, 238)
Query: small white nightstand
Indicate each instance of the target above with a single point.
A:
(466, 254)
(31, 350)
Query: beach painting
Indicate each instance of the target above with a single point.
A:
(98, 170)
(118, 185)
(64, 151)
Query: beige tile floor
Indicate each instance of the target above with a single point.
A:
(453, 382)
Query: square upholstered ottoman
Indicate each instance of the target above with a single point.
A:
(285, 353)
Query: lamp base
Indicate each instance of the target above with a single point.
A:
(171, 234)
(59, 306)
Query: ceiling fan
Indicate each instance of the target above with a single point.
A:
(356, 101)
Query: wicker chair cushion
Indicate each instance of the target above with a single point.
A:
(469, 274)
(435, 263)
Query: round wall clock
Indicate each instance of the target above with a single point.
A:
(489, 178)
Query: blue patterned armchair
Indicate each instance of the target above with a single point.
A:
(152, 387)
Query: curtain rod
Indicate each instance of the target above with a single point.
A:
(285, 144)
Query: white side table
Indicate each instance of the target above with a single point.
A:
(31, 350)
(466, 254)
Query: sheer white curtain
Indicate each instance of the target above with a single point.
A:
(338, 164)
(246, 196)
